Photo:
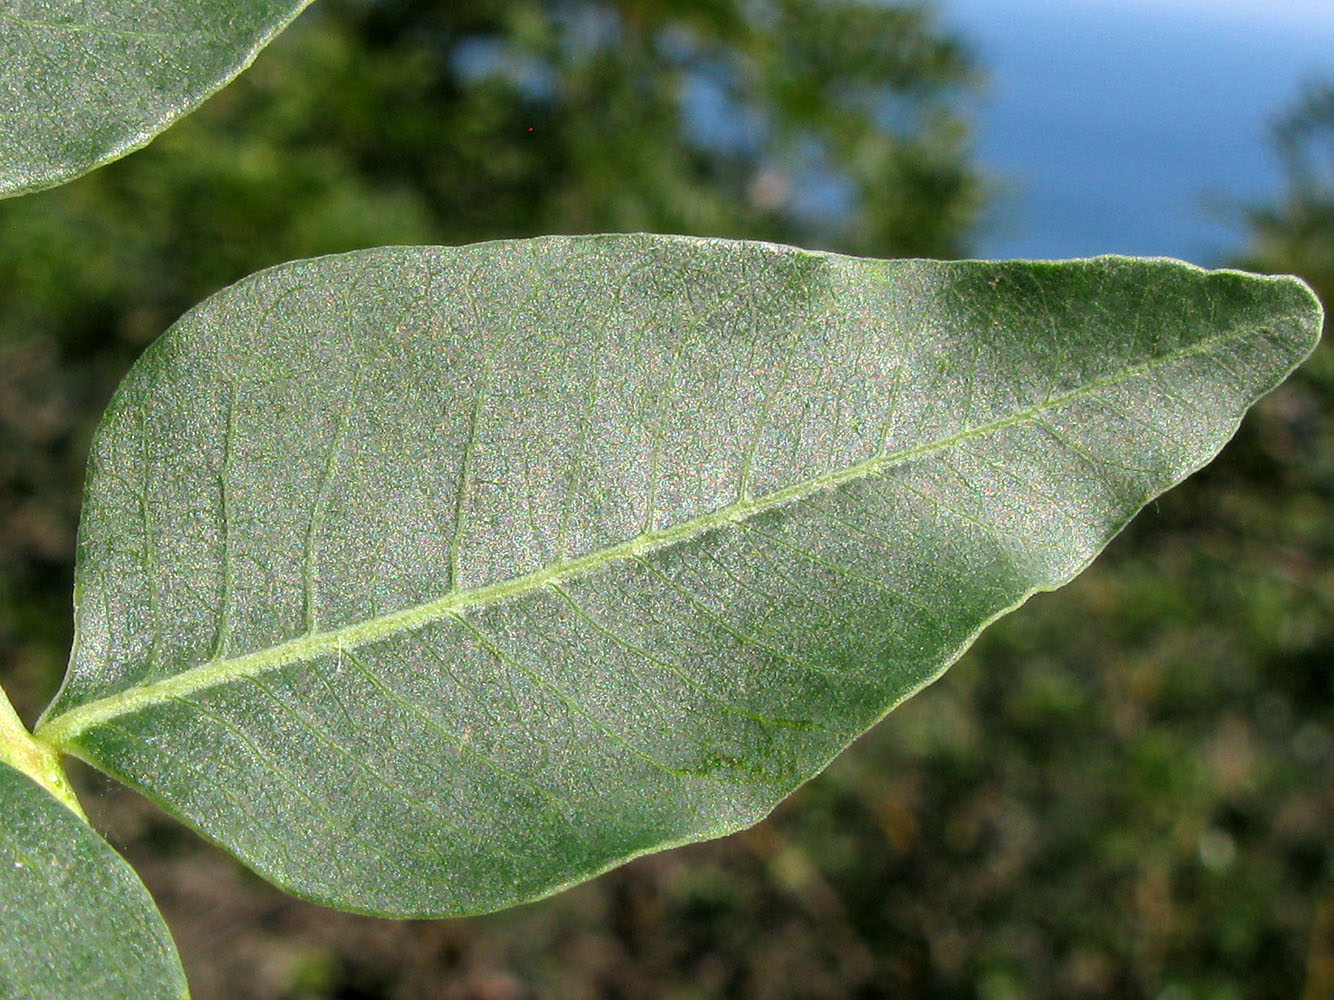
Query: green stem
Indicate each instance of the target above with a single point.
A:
(38, 760)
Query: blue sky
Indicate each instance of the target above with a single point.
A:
(1134, 126)
(1306, 14)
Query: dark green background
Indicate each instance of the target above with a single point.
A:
(1126, 789)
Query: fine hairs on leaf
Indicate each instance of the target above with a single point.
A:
(432, 580)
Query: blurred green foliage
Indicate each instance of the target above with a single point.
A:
(1126, 789)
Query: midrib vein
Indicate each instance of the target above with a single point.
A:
(61, 729)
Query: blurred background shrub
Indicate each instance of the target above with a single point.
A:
(1126, 789)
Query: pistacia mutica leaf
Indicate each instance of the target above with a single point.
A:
(75, 921)
(82, 84)
(430, 580)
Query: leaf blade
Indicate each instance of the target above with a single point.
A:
(83, 89)
(590, 653)
(77, 921)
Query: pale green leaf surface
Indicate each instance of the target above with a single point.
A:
(75, 921)
(84, 83)
(429, 580)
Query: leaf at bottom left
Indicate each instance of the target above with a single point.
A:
(75, 921)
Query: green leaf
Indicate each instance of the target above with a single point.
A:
(83, 84)
(75, 921)
(431, 580)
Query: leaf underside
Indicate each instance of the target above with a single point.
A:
(432, 580)
(78, 923)
(81, 85)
